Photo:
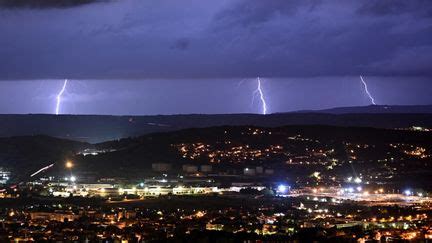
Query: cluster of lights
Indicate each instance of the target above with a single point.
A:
(356, 180)
(232, 153)
(352, 189)
(71, 178)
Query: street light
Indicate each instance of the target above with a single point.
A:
(69, 164)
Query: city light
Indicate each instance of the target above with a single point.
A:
(408, 192)
(282, 189)
(72, 178)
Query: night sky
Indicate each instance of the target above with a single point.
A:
(198, 56)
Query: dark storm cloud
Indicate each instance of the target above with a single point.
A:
(254, 12)
(44, 3)
(209, 39)
(302, 38)
(395, 7)
(181, 44)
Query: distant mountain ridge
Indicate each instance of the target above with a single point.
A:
(375, 109)
(99, 128)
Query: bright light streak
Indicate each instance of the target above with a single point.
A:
(367, 91)
(43, 169)
(59, 96)
(261, 95)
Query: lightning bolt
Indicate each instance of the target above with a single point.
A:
(59, 96)
(240, 83)
(260, 92)
(367, 91)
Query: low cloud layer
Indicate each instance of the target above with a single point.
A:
(40, 4)
(211, 39)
